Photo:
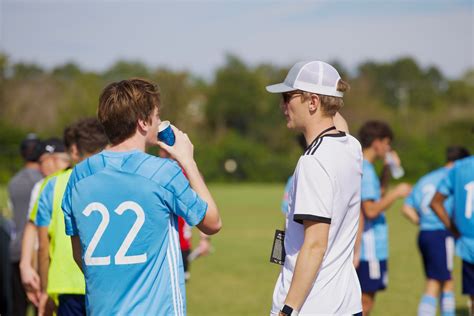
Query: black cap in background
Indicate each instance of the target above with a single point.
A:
(52, 146)
(30, 148)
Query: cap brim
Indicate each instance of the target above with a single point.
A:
(279, 88)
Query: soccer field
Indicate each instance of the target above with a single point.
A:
(238, 279)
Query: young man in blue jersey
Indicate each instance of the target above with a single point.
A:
(375, 138)
(121, 208)
(459, 184)
(435, 241)
(55, 254)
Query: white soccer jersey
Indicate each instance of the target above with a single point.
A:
(326, 188)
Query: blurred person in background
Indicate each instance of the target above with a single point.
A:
(289, 183)
(5, 266)
(459, 184)
(53, 158)
(19, 191)
(62, 282)
(435, 242)
(376, 138)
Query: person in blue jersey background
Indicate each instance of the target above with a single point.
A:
(121, 208)
(376, 138)
(435, 242)
(289, 183)
(459, 184)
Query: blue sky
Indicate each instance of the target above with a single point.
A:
(196, 35)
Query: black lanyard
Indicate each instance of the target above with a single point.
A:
(321, 134)
(325, 131)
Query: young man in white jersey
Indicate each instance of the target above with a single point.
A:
(318, 277)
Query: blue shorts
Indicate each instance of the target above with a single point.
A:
(467, 278)
(72, 305)
(437, 251)
(373, 275)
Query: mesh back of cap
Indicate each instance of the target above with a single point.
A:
(319, 73)
(313, 76)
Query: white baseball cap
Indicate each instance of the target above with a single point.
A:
(310, 76)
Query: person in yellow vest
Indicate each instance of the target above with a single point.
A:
(60, 276)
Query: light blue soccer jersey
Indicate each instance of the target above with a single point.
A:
(374, 245)
(459, 183)
(45, 204)
(124, 207)
(284, 202)
(421, 196)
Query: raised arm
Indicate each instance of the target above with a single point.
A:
(372, 209)
(183, 152)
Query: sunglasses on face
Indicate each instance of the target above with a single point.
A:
(287, 96)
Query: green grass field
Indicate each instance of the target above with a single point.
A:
(238, 279)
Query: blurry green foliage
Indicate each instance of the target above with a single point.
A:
(233, 117)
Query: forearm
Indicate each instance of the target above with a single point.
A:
(77, 251)
(43, 257)
(410, 213)
(373, 209)
(212, 218)
(385, 178)
(307, 267)
(438, 208)
(28, 245)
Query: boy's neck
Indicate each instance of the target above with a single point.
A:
(369, 154)
(135, 142)
(316, 127)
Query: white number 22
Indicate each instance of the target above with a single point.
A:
(120, 256)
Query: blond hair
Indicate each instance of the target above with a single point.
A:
(330, 105)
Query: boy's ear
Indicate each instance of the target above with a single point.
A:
(314, 102)
(142, 125)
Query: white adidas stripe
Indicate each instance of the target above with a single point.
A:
(174, 251)
(171, 267)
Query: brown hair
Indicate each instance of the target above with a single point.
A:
(372, 130)
(330, 105)
(69, 136)
(89, 136)
(123, 103)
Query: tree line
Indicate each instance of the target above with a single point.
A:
(232, 118)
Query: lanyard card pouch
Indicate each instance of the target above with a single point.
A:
(278, 249)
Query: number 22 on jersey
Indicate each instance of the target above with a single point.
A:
(120, 256)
